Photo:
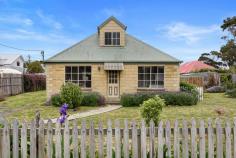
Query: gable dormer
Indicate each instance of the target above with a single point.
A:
(112, 33)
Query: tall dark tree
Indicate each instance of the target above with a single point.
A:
(211, 59)
(227, 52)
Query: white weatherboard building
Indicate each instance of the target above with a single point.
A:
(11, 63)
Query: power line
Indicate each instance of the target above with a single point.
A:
(34, 50)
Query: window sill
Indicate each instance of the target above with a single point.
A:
(151, 89)
(86, 89)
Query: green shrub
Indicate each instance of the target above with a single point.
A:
(187, 86)
(129, 100)
(71, 94)
(180, 99)
(151, 109)
(92, 99)
(227, 82)
(171, 98)
(231, 93)
(56, 100)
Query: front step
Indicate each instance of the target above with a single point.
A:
(113, 101)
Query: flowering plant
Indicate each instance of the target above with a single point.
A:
(63, 113)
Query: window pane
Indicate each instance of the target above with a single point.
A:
(147, 69)
(141, 84)
(160, 84)
(153, 84)
(74, 76)
(88, 69)
(82, 84)
(88, 84)
(140, 69)
(114, 41)
(161, 70)
(147, 76)
(107, 41)
(114, 35)
(81, 69)
(89, 77)
(118, 42)
(140, 76)
(68, 77)
(154, 69)
(153, 76)
(160, 77)
(147, 84)
(74, 69)
(106, 35)
(68, 69)
(118, 34)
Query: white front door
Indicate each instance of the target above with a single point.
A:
(113, 83)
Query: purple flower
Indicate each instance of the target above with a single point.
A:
(63, 109)
(62, 118)
(63, 113)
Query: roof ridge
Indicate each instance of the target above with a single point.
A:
(152, 47)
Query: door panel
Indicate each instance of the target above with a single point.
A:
(113, 83)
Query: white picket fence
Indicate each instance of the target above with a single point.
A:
(186, 139)
(200, 93)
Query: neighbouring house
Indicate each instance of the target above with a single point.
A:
(11, 63)
(194, 66)
(112, 62)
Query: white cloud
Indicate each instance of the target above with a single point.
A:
(16, 19)
(188, 33)
(49, 20)
(113, 12)
(21, 34)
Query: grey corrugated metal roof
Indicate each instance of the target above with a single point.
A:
(114, 19)
(88, 50)
(7, 59)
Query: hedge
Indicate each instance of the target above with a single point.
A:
(93, 99)
(34, 82)
(171, 98)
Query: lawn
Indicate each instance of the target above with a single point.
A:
(203, 110)
(25, 105)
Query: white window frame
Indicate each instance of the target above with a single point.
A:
(78, 80)
(150, 80)
(117, 43)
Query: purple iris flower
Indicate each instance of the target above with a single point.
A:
(63, 113)
(62, 118)
(63, 109)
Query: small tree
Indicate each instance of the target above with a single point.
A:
(151, 109)
(71, 95)
(35, 67)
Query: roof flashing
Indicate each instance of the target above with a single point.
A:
(110, 19)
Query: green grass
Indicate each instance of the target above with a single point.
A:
(25, 105)
(203, 110)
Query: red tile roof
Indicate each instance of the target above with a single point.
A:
(193, 66)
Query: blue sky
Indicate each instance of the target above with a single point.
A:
(182, 28)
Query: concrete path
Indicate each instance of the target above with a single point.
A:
(78, 115)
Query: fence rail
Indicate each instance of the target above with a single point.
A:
(120, 139)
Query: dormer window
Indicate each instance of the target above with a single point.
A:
(112, 38)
